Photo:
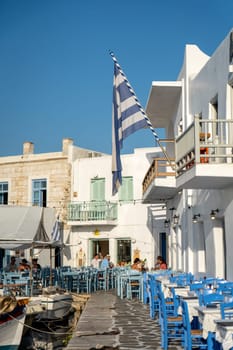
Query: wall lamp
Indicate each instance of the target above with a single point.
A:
(166, 223)
(175, 219)
(195, 218)
(213, 214)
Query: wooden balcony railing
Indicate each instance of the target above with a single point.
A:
(204, 141)
(159, 168)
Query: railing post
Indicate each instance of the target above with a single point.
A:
(197, 138)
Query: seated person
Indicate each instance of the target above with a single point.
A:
(35, 265)
(137, 265)
(12, 266)
(24, 265)
(161, 263)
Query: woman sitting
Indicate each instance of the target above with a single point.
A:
(137, 265)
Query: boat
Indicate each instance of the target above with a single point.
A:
(12, 318)
(56, 303)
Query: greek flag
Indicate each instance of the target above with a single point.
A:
(127, 117)
(56, 234)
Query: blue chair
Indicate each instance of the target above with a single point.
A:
(145, 289)
(226, 309)
(153, 296)
(225, 287)
(193, 338)
(134, 286)
(209, 298)
(83, 282)
(196, 287)
(171, 326)
(182, 279)
(102, 282)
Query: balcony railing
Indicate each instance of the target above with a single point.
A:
(160, 167)
(92, 211)
(204, 142)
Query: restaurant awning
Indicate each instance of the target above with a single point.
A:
(26, 227)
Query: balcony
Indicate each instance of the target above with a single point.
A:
(91, 213)
(159, 183)
(204, 155)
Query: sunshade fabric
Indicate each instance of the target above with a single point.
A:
(24, 227)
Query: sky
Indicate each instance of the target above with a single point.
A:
(56, 74)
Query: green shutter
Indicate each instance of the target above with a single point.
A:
(126, 189)
(98, 189)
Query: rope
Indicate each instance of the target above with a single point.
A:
(38, 330)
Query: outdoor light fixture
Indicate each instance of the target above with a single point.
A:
(195, 218)
(213, 214)
(175, 219)
(166, 223)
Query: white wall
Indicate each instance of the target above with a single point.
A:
(135, 220)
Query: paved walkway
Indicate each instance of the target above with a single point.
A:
(108, 323)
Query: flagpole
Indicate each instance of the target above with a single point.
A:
(142, 110)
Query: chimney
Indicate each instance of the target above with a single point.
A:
(28, 148)
(65, 145)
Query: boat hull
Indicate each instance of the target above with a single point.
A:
(11, 328)
(56, 306)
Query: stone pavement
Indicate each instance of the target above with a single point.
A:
(108, 323)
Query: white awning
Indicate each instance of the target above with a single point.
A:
(25, 227)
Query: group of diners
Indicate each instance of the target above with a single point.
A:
(22, 265)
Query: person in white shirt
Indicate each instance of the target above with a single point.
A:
(95, 262)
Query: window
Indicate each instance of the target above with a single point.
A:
(3, 192)
(39, 192)
(98, 189)
(126, 189)
(123, 251)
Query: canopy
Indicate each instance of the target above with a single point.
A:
(26, 227)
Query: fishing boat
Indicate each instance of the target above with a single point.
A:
(12, 318)
(56, 303)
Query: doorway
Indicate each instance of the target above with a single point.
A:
(99, 246)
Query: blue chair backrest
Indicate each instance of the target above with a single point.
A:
(185, 317)
(210, 298)
(196, 286)
(226, 309)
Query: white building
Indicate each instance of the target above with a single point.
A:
(121, 225)
(197, 113)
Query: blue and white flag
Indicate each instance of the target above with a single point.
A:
(127, 117)
(56, 233)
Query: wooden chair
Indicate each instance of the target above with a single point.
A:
(153, 296)
(226, 309)
(209, 298)
(193, 338)
(171, 326)
(134, 286)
